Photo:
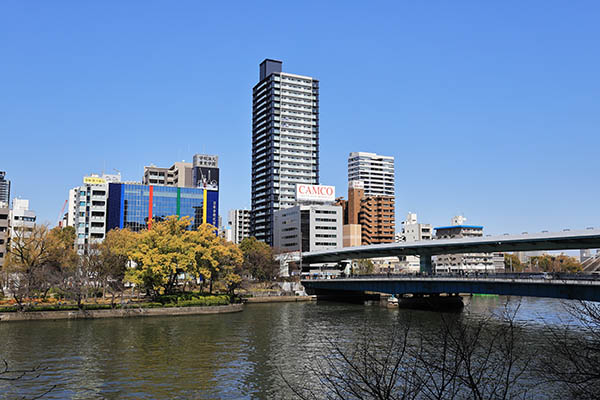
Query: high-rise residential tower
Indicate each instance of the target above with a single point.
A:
(374, 170)
(377, 215)
(285, 142)
(4, 190)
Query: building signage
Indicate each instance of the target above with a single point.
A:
(356, 185)
(315, 193)
(93, 180)
(207, 178)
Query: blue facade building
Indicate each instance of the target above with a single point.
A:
(134, 205)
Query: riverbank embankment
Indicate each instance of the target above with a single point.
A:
(278, 299)
(118, 313)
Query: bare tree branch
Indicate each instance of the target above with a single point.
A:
(464, 358)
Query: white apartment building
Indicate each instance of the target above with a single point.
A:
(22, 219)
(375, 171)
(285, 142)
(413, 231)
(239, 224)
(468, 262)
(88, 208)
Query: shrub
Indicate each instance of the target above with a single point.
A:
(201, 301)
(151, 305)
(187, 300)
(191, 298)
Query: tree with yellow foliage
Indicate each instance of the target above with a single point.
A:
(37, 259)
(215, 257)
(231, 259)
(169, 252)
(559, 263)
(114, 253)
(162, 254)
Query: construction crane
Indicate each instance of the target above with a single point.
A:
(60, 216)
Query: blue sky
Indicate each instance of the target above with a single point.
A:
(492, 109)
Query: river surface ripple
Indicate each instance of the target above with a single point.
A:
(226, 356)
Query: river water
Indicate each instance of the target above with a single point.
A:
(228, 356)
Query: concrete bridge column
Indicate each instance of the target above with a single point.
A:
(426, 264)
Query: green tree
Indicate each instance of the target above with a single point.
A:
(259, 261)
(512, 263)
(364, 267)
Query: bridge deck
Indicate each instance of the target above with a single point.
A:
(587, 288)
(567, 240)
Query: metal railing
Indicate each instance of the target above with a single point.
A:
(555, 277)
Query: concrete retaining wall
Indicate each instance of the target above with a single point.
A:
(118, 313)
(278, 299)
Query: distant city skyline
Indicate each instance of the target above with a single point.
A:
(490, 110)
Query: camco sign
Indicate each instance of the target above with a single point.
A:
(315, 193)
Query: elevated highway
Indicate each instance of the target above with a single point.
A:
(565, 240)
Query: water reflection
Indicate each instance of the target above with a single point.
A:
(228, 356)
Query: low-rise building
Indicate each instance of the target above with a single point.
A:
(203, 171)
(22, 219)
(239, 224)
(413, 231)
(389, 265)
(314, 223)
(135, 206)
(308, 228)
(468, 262)
(180, 174)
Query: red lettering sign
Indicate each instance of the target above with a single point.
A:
(314, 193)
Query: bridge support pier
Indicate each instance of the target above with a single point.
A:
(346, 296)
(426, 264)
